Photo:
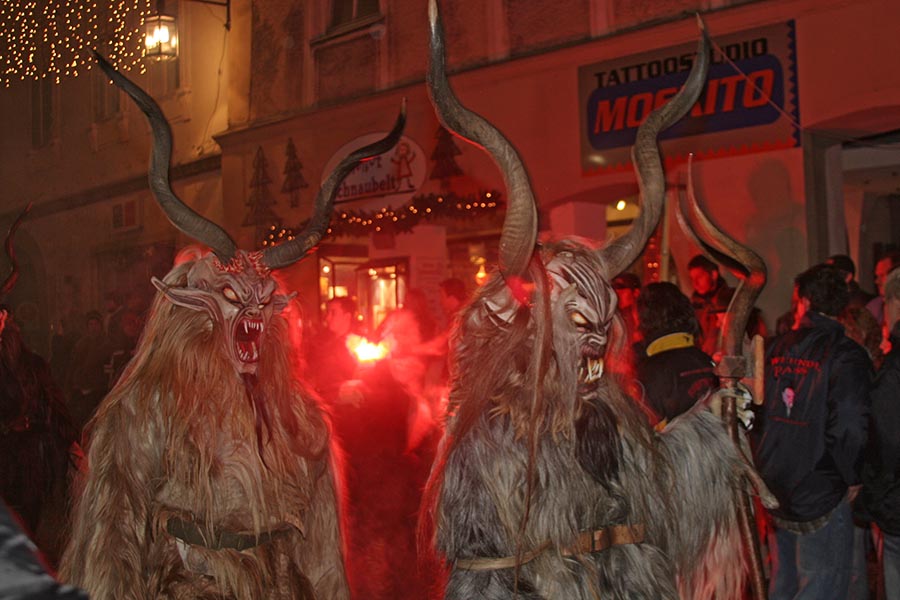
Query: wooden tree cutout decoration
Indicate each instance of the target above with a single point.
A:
(444, 159)
(260, 200)
(293, 178)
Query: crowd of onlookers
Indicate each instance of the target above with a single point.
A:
(826, 438)
(47, 403)
(87, 357)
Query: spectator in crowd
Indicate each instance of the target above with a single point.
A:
(710, 300)
(36, 435)
(843, 263)
(628, 288)
(879, 500)
(389, 437)
(417, 303)
(62, 343)
(861, 327)
(88, 380)
(400, 333)
(122, 347)
(329, 361)
(809, 443)
(453, 296)
(112, 315)
(674, 372)
(883, 267)
(790, 319)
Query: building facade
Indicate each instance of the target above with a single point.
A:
(795, 143)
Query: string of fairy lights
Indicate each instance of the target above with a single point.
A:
(53, 38)
(398, 220)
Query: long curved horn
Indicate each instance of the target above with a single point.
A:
(520, 225)
(182, 216)
(13, 277)
(290, 252)
(752, 281)
(622, 251)
(690, 230)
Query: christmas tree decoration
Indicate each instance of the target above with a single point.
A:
(260, 201)
(293, 178)
(389, 220)
(445, 165)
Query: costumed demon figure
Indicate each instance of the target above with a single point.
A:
(550, 483)
(211, 473)
(36, 433)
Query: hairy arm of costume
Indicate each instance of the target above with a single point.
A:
(323, 522)
(469, 522)
(706, 471)
(850, 382)
(107, 553)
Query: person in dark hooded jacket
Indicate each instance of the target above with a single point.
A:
(879, 500)
(673, 371)
(36, 438)
(809, 445)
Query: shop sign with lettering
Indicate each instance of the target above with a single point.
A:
(398, 172)
(749, 109)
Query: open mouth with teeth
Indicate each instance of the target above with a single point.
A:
(590, 370)
(247, 336)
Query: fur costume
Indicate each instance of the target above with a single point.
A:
(211, 472)
(549, 482)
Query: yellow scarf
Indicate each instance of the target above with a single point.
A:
(670, 342)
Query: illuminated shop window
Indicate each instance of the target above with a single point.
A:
(381, 286)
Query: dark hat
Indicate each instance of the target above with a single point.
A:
(842, 262)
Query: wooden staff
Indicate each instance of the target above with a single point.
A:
(734, 367)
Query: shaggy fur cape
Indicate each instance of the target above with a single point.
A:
(531, 457)
(178, 437)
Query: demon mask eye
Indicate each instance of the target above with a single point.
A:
(230, 294)
(578, 319)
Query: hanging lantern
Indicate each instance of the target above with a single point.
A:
(160, 37)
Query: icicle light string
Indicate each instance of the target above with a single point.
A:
(398, 220)
(53, 38)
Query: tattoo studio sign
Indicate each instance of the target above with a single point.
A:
(751, 108)
(399, 171)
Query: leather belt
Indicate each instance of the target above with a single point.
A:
(220, 539)
(586, 543)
